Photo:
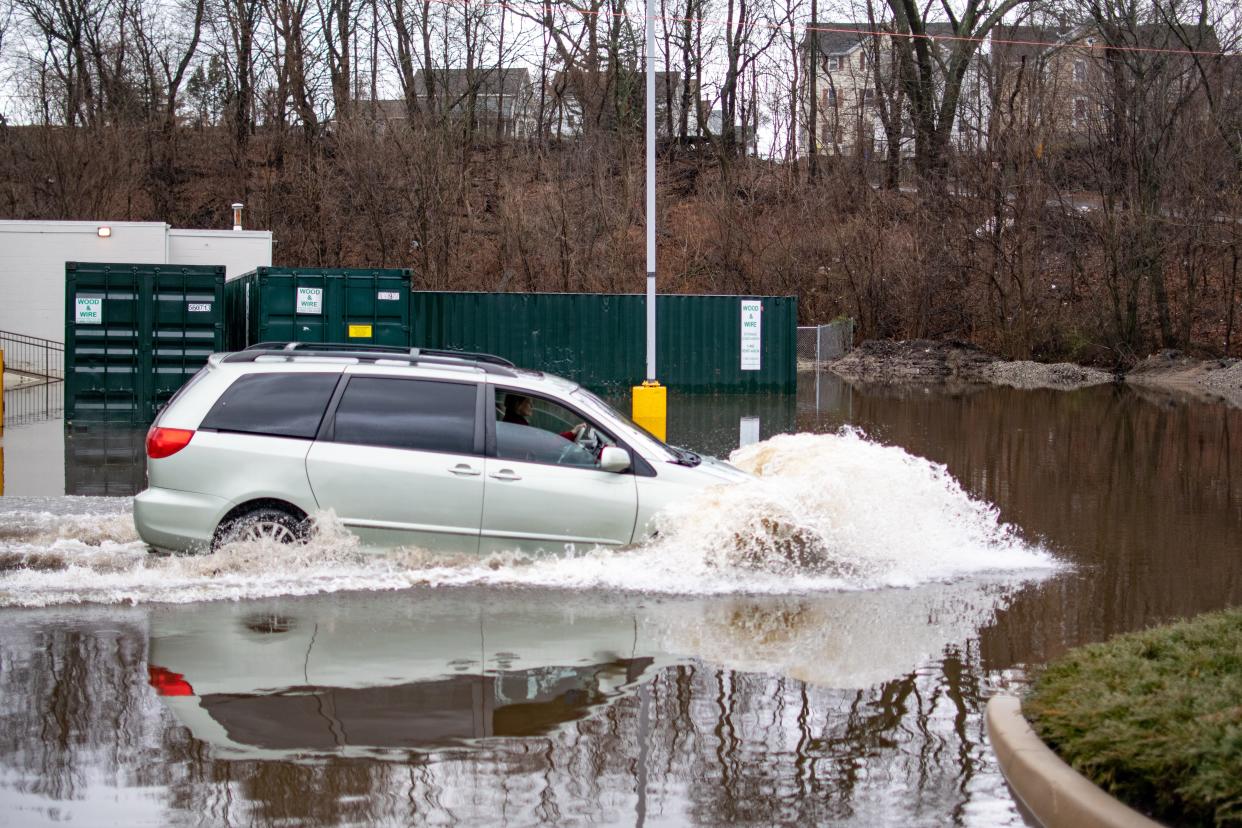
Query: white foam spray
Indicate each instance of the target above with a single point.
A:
(825, 512)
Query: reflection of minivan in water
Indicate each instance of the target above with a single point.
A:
(384, 675)
(439, 449)
(381, 673)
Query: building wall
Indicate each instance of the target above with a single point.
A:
(33, 256)
(1076, 89)
(32, 266)
(239, 252)
(847, 109)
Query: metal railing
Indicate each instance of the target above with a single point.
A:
(34, 403)
(32, 357)
(820, 344)
(32, 375)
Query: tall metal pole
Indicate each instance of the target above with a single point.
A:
(651, 399)
(651, 193)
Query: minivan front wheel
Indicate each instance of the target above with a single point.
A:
(266, 523)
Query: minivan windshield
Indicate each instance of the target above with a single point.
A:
(590, 401)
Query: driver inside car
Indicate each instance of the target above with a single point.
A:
(519, 409)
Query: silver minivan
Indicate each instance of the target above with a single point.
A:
(442, 450)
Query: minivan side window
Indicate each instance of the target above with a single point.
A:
(538, 430)
(278, 405)
(415, 414)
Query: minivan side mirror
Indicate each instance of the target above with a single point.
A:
(613, 459)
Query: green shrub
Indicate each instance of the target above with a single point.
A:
(1154, 718)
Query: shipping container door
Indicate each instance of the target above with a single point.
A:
(186, 327)
(376, 308)
(290, 307)
(105, 324)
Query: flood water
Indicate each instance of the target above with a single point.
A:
(945, 544)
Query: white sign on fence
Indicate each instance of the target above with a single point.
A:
(388, 296)
(89, 310)
(310, 300)
(752, 334)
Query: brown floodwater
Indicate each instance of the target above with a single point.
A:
(457, 701)
(1140, 490)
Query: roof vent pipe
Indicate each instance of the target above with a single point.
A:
(237, 208)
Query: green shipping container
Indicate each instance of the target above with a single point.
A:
(285, 304)
(703, 343)
(134, 333)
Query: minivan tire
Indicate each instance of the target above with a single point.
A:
(265, 522)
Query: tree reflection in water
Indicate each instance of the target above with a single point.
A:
(716, 742)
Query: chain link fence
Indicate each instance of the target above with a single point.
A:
(821, 344)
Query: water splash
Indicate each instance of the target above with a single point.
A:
(825, 512)
(847, 512)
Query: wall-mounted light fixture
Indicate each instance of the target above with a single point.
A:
(103, 231)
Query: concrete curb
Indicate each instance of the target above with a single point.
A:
(1053, 792)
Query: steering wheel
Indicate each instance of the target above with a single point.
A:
(589, 439)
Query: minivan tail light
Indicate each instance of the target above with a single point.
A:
(165, 442)
(168, 683)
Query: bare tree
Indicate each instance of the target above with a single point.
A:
(932, 73)
(293, 89)
(1143, 106)
(338, 20)
(787, 69)
(812, 103)
(6, 23)
(573, 31)
(235, 25)
(747, 37)
(62, 29)
(168, 46)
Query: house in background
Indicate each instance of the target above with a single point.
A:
(1054, 78)
(576, 99)
(1007, 88)
(745, 135)
(498, 99)
(495, 96)
(848, 59)
(1056, 84)
(1154, 57)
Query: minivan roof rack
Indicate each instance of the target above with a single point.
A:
(490, 363)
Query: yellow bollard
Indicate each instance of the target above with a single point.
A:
(650, 408)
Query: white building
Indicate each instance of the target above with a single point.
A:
(33, 256)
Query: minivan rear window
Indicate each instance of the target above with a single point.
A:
(279, 405)
(407, 414)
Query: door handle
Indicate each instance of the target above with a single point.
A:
(506, 474)
(463, 470)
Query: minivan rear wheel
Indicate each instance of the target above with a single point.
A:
(265, 523)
